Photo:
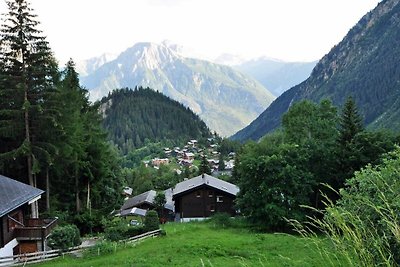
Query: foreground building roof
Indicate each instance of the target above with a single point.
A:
(14, 194)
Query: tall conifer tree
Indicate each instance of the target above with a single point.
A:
(28, 71)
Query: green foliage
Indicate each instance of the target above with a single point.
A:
(191, 244)
(274, 181)
(159, 202)
(134, 118)
(227, 146)
(364, 224)
(221, 219)
(151, 221)
(121, 230)
(204, 166)
(63, 237)
(286, 169)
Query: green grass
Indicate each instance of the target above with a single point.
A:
(202, 244)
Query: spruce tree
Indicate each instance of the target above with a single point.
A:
(350, 125)
(204, 166)
(28, 72)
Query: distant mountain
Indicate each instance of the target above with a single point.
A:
(133, 117)
(364, 65)
(86, 67)
(224, 98)
(276, 75)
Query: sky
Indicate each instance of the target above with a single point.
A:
(290, 30)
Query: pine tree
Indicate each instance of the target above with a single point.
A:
(28, 73)
(350, 124)
(204, 166)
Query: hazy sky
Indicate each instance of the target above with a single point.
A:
(286, 29)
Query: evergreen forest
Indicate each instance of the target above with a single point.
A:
(50, 134)
(135, 118)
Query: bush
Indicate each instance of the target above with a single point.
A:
(64, 237)
(222, 219)
(364, 224)
(119, 230)
(151, 221)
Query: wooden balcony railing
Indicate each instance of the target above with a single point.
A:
(35, 229)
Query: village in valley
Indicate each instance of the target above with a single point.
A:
(193, 198)
(193, 153)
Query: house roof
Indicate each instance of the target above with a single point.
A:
(133, 211)
(14, 194)
(148, 197)
(208, 180)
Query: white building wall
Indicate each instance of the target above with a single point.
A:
(7, 250)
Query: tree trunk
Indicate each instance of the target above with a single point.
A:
(47, 190)
(34, 205)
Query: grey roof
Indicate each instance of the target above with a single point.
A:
(14, 194)
(133, 211)
(148, 197)
(208, 180)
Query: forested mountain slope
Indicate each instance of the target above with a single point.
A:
(364, 65)
(133, 117)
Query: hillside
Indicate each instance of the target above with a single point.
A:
(224, 98)
(133, 117)
(203, 244)
(363, 65)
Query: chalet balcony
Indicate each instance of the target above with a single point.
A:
(35, 229)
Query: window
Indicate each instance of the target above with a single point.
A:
(198, 194)
(212, 208)
(210, 194)
(220, 199)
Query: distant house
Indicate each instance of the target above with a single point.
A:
(140, 204)
(158, 162)
(188, 156)
(203, 196)
(18, 233)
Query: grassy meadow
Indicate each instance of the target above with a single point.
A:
(203, 244)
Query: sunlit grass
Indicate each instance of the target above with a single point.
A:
(203, 244)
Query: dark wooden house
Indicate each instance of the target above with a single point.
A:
(203, 196)
(18, 233)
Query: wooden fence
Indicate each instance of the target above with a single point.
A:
(42, 256)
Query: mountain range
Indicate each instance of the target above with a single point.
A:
(276, 75)
(226, 99)
(364, 65)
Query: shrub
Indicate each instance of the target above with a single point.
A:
(222, 219)
(119, 230)
(64, 237)
(364, 224)
(134, 231)
(115, 233)
(151, 221)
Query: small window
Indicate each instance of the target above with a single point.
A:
(198, 194)
(220, 199)
(212, 208)
(210, 194)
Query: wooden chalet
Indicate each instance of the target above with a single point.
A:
(203, 196)
(140, 204)
(18, 233)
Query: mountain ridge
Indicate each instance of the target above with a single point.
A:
(363, 65)
(224, 98)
